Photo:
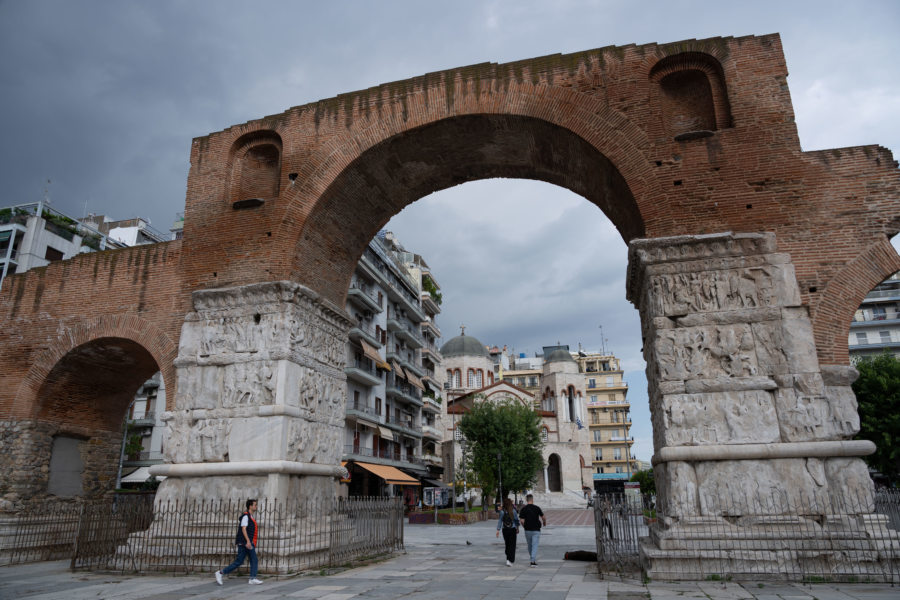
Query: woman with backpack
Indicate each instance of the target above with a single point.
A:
(509, 525)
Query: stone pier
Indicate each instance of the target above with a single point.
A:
(749, 431)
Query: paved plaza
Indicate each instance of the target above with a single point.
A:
(458, 562)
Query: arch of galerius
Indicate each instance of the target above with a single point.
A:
(747, 259)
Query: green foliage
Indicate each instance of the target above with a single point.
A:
(878, 393)
(429, 286)
(645, 478)
(133, 446)
(510, 429)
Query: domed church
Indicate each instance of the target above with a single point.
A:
(475, 374)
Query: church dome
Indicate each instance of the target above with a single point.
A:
(559, 355)
(463, 345)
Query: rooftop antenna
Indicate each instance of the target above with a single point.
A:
(602, 341)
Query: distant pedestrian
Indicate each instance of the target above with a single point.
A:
(509, 525)
(245, 540)
(531, 517)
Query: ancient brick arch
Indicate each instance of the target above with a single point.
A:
(385, 178)
(747, 256)
(126, 348)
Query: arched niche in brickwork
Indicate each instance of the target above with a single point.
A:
(689, 91)
(404, 168)
(255, 167)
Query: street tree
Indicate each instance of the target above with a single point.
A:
(510, 429)
(878, 394)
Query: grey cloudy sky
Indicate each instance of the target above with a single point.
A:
(103, 98)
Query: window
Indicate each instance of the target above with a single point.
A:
(53, 254)
(620, 469)
(470, 378)
(356, 399)
(457, 378)
(617, 453)
(611, 397)
(457, 434)
(592, 383)
(380, 300)
(861, 338)
(598, 436)
(598, 454)
(545, 434)
(610, 381)
(378, 406)
(479, 378)
(593, 399)
(532, 381)
(885, 337)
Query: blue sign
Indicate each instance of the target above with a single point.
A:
(610, 476)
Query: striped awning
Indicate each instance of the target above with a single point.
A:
(389, 474)
(399, 370)
(372, 353)
(415, 380)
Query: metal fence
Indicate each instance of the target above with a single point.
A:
(136, 534)
(783, 536)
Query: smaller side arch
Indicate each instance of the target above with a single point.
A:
(129, 327)
(832, 314)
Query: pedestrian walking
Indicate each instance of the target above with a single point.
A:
(531, 517)
(245, 540)
(508, 523)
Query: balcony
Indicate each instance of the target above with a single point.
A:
(431, 353)
(406, 426)
(412, 368)
(606, 384)
(362, 298)
(394, 458)
(362, 372)
(430, 326)
(361, 409)
(405, 333)
(431, 432)
(143, 459)
(431, 405)
(405, 392)
(618, 440)
(366, 333)
(432, 459)
(148, 419)
(429, 304)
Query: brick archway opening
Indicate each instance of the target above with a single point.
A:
(79, 411)
(401, 170)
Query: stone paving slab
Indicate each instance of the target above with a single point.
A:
(440, 562)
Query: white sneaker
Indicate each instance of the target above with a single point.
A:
(508, 564)
(219, 577)
(254, 581)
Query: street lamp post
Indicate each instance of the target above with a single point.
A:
(499, 477)
(465, 486)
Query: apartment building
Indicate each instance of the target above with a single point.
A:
(876, 324)
(142, 446)
(35, 234)
(609, 420)
(393, 404)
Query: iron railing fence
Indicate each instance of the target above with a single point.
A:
(786, 535)
(139, 535)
